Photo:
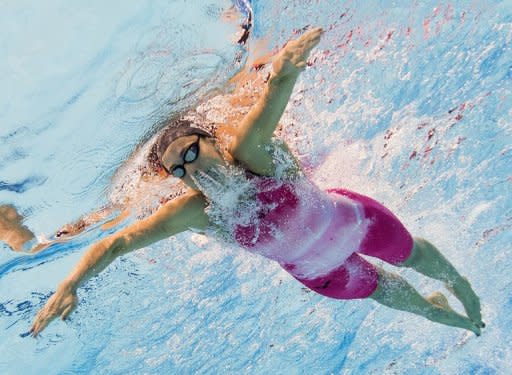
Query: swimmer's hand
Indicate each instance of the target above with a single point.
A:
(12, 230)
(292, 59)
(62, 303)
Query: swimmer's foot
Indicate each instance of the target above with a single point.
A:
(465, 294)
(475, 329)
(438, 299)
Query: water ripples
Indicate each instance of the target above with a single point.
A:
(408, 104)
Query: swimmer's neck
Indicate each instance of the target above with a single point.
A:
(219, 181)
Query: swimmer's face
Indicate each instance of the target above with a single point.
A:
(189, 154)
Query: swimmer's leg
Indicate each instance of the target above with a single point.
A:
(428, 260)
(395, 292)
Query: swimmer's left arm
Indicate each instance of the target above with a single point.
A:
(254, 135)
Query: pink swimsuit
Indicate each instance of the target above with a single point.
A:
(315, 235)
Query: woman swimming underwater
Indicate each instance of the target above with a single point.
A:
(254, 193)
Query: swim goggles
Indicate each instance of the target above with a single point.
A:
(190, 155)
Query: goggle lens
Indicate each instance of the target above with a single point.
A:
(178, 171)
(192, 153)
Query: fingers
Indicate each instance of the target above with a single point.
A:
(58, 305)
(40, 323)
(311, 37)
(67, 311)
(315, 33)
(292, 58)
(301, 65)
(299, 49)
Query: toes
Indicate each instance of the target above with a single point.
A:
(477, 331)
(480, 324)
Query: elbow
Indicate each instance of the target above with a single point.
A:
(118, 246)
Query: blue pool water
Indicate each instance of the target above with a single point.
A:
(408, 102)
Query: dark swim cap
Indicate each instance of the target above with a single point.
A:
(177, 129)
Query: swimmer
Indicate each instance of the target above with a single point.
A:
(254, 193)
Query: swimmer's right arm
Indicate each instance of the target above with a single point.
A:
(252, 143)
(174, 217)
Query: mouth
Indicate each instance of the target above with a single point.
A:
(217, 182)
(209, 181)
(208, 176)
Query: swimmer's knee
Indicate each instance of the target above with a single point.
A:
(383, 281)
(413, 257)
(376, 294)
(419, 248)
(421, 242)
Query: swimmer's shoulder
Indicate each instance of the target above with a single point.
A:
(185, 212)
(272, 159)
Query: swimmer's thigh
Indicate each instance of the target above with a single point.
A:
(387, 238)
(355, 278)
